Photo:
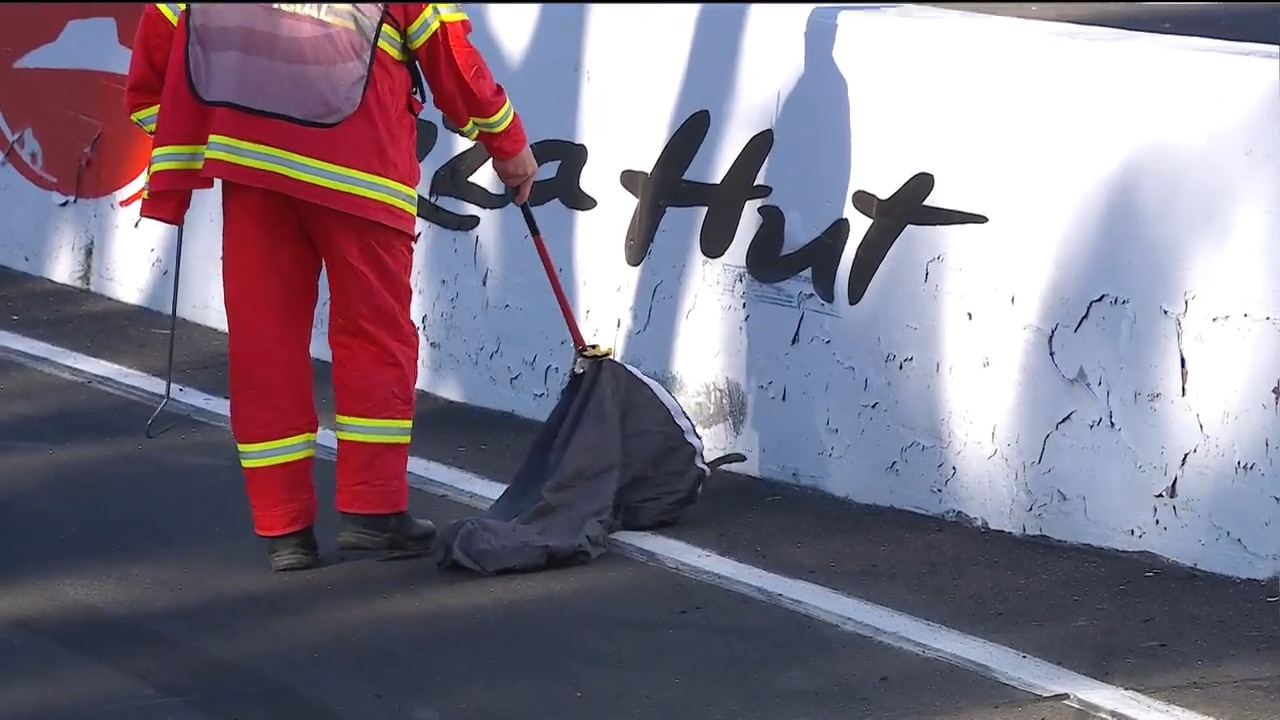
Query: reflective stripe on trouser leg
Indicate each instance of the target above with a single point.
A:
(373, 430)
(375, 355)
(277, 452)
(278, 482)
(274, 466)
(373, 456)
(270, 279)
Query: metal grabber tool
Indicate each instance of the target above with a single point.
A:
(173, 332)
(582, 351)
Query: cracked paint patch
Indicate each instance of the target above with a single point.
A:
(709, 405)
(928, 265)
(1177, 324)
(1044, 443)
(84, 267)
(1126, 427)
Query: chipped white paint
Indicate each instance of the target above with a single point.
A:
(1023, 374)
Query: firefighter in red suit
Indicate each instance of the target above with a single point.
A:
(306, 114)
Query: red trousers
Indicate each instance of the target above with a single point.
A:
(273, 246)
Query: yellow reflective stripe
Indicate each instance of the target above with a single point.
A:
(373, 422)
(171, 11)
(495, 123)
(146, 118)
(177, 157)
(428, 22)
(391, 43)
(277, 452)
(312, 171)
(290, 165)
(373, 430)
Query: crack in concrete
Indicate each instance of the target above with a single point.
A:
(1044, 444)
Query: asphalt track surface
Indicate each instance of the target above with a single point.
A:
(132, 588)
(1243, 22)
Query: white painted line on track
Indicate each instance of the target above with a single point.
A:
(1004, 664)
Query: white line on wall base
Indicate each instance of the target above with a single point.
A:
(919, 636)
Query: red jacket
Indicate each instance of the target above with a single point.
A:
(365, 165)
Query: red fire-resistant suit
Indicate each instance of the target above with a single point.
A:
(295, 196)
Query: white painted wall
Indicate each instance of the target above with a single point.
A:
(1024, 373)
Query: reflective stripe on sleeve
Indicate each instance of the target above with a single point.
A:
(277, 452)
(171, 11)
(146, 118)
(176, 157)
(373, 430)
(309, 170)
(429, 21)
(391, 43)
(495, 123)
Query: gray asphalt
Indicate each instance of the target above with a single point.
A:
(1243, 22)
(133, 588)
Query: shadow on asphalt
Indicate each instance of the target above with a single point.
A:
(133, 588)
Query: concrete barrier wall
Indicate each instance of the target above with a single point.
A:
(1001, 270)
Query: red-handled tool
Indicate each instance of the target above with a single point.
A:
(579, 344)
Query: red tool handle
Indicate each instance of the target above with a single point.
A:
(565, 309)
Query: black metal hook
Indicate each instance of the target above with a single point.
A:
(173, 332)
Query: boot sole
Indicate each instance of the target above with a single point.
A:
(363, 541)
(293, 561)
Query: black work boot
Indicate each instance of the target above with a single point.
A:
(295, 551)
(398, 531)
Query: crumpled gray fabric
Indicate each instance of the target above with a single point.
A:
(616, 453)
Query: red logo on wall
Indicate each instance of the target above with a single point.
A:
(62, 120)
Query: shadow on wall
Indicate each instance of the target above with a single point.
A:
(1133, 456)
(502, 264)
(787, 324)
(669, 269)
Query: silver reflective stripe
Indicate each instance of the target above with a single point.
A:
(177, 157)
(146, 118)
(171, 11)
(303, 62)
(303, 447)
(388, 191)
(366, 432)
(429, 21)
(498, 122)
(371, 430)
